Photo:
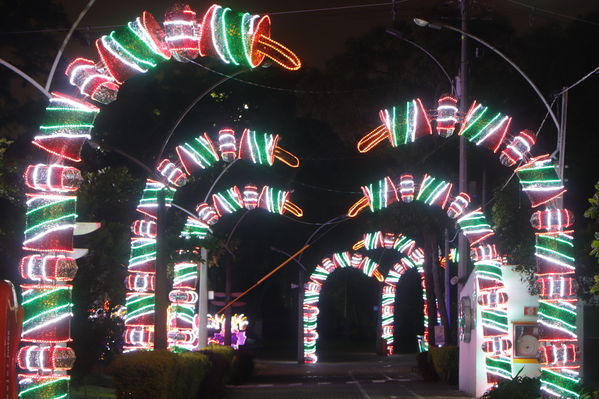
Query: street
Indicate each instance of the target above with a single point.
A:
(364, 376)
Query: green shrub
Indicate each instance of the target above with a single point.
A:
(590, 393)
(516, 388)
(446, 363)
(192, 368)
(159, 374)
(143, 374)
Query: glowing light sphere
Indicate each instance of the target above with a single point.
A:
(92, 81)
(517, 148)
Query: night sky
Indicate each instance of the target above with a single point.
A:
(318, 35)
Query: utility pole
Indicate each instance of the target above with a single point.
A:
(162, 289)
(228, 310)
(562, 140)
(463, 161)
(203, 298)
(300, 315)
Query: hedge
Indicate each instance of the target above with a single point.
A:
(159, 374)
(445, 360)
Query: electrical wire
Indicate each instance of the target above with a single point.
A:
(570, 17)
(283, 89)
(307, 11)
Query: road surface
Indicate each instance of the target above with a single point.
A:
(364, 376)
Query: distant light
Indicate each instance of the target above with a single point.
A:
(245, 106)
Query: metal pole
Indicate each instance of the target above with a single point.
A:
(300, 315)
(447, 278)
(228, 310)
(463, 160)
(562, 134)
(161, 292)
(203, 299)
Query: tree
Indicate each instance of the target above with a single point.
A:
(593, 214)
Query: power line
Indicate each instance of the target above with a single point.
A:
(290, 12)
(283, 89)
(570, 17)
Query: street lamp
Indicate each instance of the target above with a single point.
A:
(438, 26)
(400, 36)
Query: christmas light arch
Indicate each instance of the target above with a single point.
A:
(540, 181)
(413, 259)
(193, 156)
(314, 285)
(49, 263)
(473, 223)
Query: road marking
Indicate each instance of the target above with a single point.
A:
(379, 381)
(296, 384)
(414, 394)
(324, 383)
(362, 391)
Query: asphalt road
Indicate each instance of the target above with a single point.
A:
(364, 376)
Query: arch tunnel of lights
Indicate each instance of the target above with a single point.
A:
(243, 39)
(236, 38)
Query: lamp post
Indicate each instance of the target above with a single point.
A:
(462, 248)
(398, 34)
(438, 26)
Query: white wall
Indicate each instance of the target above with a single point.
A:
(473, 379)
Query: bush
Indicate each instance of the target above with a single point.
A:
(590, 393)
(191, 370)
(159, 374)
(516, 388)
(446, 363)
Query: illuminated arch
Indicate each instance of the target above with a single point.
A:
(182, 318)
(194, 157)
(142, 44)
(554, 240)
(313, 287)
(436, 192)
(414, 259)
